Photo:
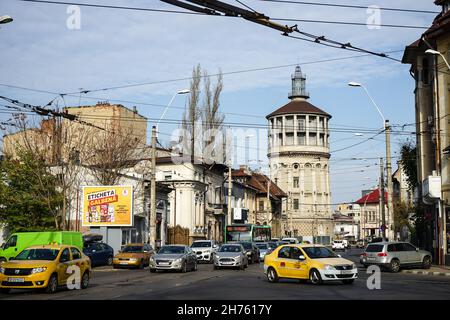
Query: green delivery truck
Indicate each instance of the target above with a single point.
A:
(22, 240)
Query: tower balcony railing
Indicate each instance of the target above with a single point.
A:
(299, 94)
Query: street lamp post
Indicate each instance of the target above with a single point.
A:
(185, 91)
(152, 212)
(387, 130)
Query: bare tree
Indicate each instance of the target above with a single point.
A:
(112, 152)
(206, 115)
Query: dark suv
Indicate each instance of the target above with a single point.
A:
(252, 252)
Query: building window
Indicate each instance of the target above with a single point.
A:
(289, 124)
(301, 139)
(312, 126)
(295, 204)
(289, 139)
(261, 205)
(312, 139)
(301, 123)
(322, 140)
(296, 182)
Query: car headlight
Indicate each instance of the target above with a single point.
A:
(216, 257)
(329, 267)
(354, 266)
(2, 270)
(178, 260)
(38, 270)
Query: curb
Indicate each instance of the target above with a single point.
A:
(429, 273)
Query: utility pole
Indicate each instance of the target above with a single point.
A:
(383, 200)
(152, 213)
(269, 205)
(230, 189)
(390, 200)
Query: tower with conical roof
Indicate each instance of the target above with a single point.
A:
(298, 159)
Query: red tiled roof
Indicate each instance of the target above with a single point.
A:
(298, 106)
(372, 197)
(260, 181)
(240, 173)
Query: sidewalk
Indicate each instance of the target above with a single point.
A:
(433, 271)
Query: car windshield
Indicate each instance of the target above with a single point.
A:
(247, 245)
(319, 253)
(133, 249)
(171, 250)
(201, 244)
(273, 244)
(230, 249)
(262, 245)
(374, 248)
(38, 254)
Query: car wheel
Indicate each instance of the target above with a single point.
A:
(314, 277)
(52, 285)
(242, 267)
(85, 280)
(272, 275)
(2, 260)
(152, 270)
(394, 266)
(216, 267)
(184, 267)
(250, 261)
(5, 290)
(109, 261)
(426, 263)
(141, 265)
(195, 266)
(348, 281)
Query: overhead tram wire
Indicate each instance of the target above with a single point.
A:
(349, 6)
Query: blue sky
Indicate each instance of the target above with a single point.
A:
(117, 47)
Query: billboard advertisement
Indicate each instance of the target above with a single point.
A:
(107, 206)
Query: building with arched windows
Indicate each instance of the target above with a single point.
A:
(298, 159)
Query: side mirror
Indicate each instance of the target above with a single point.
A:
(417, 249)
(146, 251)
(339, 256)
(302, 257)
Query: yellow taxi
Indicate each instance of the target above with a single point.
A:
(135, 255)
(316, 263)
(46, 267)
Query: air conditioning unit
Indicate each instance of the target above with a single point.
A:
(431, 189)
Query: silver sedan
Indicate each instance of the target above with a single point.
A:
(231, 255)
(174, 257)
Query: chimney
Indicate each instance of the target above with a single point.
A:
(135, 110)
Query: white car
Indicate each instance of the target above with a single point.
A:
(291, 240)
(204, 250)
(338, 245)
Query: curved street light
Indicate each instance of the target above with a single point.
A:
(5, 19)
(437, 53)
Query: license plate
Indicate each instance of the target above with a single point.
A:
(16, 280)
(163, 263)
(371, 259)
(124, 262)
(346, 272)
(227, 262)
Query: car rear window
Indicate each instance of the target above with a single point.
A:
(374, 248)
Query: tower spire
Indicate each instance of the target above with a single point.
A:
(298, 85)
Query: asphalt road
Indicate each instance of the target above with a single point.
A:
(250, 284)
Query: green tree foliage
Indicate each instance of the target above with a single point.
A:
(29, 198)
(409, 163)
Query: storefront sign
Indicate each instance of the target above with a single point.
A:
(107, 206)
